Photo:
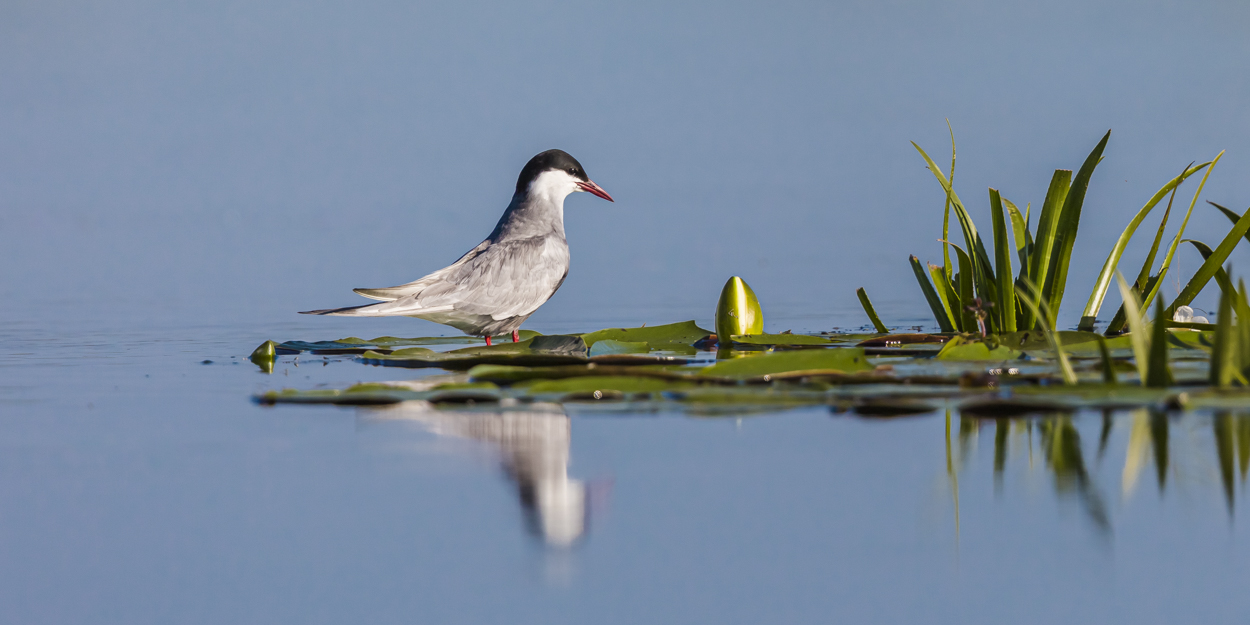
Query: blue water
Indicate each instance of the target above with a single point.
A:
(141, 485)
(177, 180)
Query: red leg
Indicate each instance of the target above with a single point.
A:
(516, 336)
(488, 341)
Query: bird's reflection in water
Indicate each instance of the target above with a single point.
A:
(533, 443)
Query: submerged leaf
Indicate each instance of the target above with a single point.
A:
(610, 346)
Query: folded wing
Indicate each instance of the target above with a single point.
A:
(500, 280)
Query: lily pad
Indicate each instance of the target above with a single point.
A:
(505, 374)
(1030, 340)
(684, 333)
(896, 340)
(961, 348)
(383, 344)
(781, 340)
(843, 359)
(541, 351)
(599, 387)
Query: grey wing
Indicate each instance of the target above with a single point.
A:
(508, 279)
(393, 293)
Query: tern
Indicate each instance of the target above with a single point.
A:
(497, 285)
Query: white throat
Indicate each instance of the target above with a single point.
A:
(551, 187)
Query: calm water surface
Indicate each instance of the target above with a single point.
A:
(139, 484)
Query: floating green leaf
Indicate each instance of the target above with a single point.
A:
(839, 359)
(781, 340)
(967, 348)
(684, 333)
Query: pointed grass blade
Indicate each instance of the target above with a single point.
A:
(1044, 240)
(1158, 375)
(1137, 327)
(1021, 234)
(1221, 368)
(1104, 277)
(971, 237)
(931, 296)
(946, 291)
(1212, 264)
(1005, 307)
(1167, 259)
(1145, 282)
(1221, 275)
(1066, 228)
(964, 287)
(1230, 214)
(872, 314)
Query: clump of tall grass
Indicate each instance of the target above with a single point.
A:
(977, 293)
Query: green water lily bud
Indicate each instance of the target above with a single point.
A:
(265, 355)
(738, 311)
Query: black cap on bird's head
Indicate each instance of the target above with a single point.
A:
(558, 160)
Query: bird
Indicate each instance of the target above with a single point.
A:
(494, 287)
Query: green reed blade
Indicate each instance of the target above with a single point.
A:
(872, 313)
(1020, 233)
(1005, 306)
(976, 247)
(1145, 282)
(1230, 214)
(1159, 374)
(946, 291)
(1241, 332)
(1028, 295)
(1047, 223)
(1220, 373)
(1221, 275)
(931, 296)
(946, 213)
(1104, 277)
(1108, 365)
(1066, 229)
(1212, 264)
(1167, 259)
(968, 319)
(1117, 323)
(1137, 327)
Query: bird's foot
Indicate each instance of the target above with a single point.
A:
(488, 340)
(516, 336)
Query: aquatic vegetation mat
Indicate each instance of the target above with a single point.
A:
(998, 352)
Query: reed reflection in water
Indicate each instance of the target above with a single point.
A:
(533, 446)
(1186, 450)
